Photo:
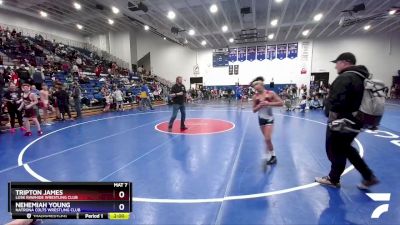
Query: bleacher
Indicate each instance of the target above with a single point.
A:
(91, 90)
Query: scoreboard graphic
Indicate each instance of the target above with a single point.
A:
(70, 200)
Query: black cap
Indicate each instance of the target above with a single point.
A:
(347, 56)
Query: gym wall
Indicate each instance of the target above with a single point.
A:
(379, 53)
(283, 71)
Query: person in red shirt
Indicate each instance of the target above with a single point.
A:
(14, 78)
(65, 68)
(97, 71)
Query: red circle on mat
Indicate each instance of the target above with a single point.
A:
(197, 126)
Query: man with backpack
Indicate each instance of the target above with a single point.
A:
(343, 104)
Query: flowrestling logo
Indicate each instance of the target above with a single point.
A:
(382, 197)
(379, 197)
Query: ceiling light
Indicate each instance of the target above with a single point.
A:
(191, 32)
(318, 17)
(110, 21)
(80, 27)
(367, 27)
(278, 1)
(271, 36)
(392, 12)
(164, 38)
(203, 43)
(186, 41)
(77, 5)
(306, 32)
(224, 28)
(213, 8)
(274, 22)
(115, 10)
(146, 27)
(171, 15)
(43, 14)
(1, 2)
(231, 40)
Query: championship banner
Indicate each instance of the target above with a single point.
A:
(293, 49)
(242, 54)
(271, 52)
(233, 57)
(236, 69)
(251, 54)
(282, 50)
(261, 52)
(230, 69)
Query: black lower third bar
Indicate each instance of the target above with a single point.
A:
(89, 216)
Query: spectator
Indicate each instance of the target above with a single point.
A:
(83, 79)
(75, 70)
(140, 69)
(35, 91)
(5, 72)
(44, 103)
(303, 103)
(77, 95)
(109, 100)
(97, 71)
(62, 99)
(118, 96)
(65, 68)
(40, 38)
(79, 61)
(38, 78)
(53, 102)
(14, 78)
(13, 33)
(315, 103)
(13, 101)
(23, 74)
(31, 70)
(145, 98)
(156, 94)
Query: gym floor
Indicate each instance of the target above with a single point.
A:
(210, 175)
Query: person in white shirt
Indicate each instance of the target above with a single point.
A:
(79, 61)
(140, 69)
(118, 96)
(303, 104)
(75, 70)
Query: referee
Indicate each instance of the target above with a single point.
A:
(178, 93)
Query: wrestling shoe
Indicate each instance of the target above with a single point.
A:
(27, 134)
(272, 160)
(327, 181)
(40, 133)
